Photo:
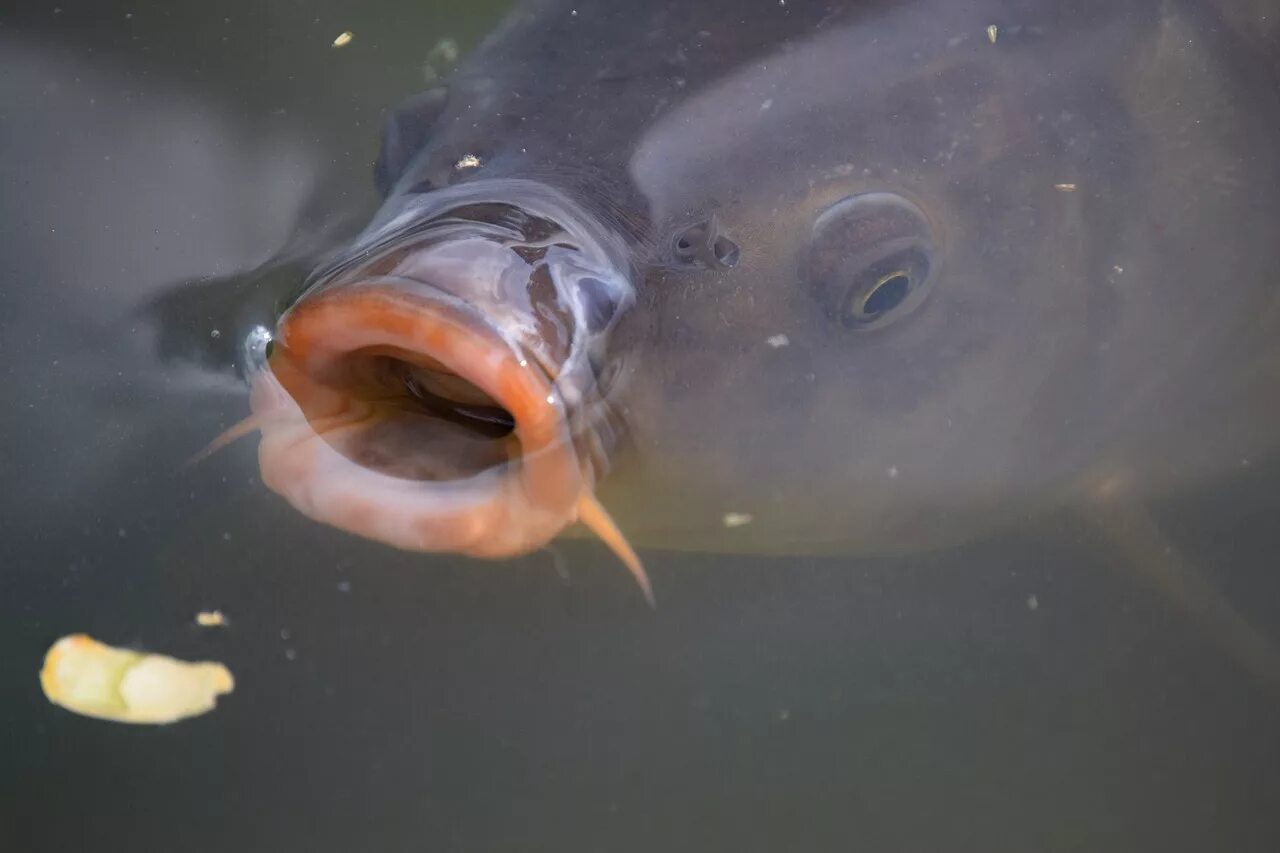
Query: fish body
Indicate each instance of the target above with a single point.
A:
(813, 276)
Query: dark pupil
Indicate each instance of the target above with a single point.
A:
(887, 294)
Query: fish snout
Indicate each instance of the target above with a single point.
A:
(438, 395)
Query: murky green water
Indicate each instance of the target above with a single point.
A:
(1021, 693)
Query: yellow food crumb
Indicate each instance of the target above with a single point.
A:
(211, 619)
(1066, 188)
(737, 519)
(993, 32)
(467, 161)
(344, 39)
(126, 686)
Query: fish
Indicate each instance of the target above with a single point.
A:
(805, 278)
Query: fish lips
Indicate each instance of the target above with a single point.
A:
(438, 395)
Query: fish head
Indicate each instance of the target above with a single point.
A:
(968, 265)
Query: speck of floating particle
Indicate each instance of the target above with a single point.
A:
(467, 161)
(1065, 188)
(211, 619)
(737, 519)
(344, 39)
(777, 341)
(993, 32)
(1033, 603)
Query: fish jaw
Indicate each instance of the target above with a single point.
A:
(321, 404)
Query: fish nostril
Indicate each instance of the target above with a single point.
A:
(727, 252)
(702, 244)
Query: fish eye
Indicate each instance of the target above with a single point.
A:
(870, 260)
(886, 294)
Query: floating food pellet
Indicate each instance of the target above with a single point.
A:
(737, 519)
(993, 32)
(777, 341)
(344, 39)
(467, 161)
(211, 619)
(126, 686)
(1065, 188)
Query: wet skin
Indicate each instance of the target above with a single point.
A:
(865, 276)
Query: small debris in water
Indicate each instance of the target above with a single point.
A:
(778, 341)
(1033, 603)
(737, 519)
(893, 472)
(784, 715)
(211, 619)
(215, 334)
(1065, 188)
(125, 686)
(440, 60)
(467, 161)
(344, 586)
(290, 654)
(993, 33)
(344, 39)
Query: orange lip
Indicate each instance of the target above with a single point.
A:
(326, 391)
(325, 338)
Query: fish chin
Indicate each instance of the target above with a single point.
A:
(396, 411)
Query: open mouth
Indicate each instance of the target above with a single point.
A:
(433, 390)
(420, 425)
(423, 421)
(399, 414)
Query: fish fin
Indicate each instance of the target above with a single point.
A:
(597, 519)
(228, 436)
(1132, 530)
